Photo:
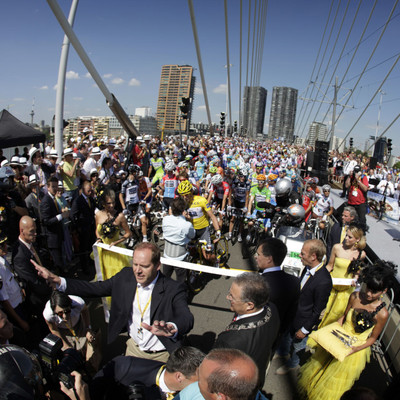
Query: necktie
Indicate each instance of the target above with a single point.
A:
(89, 202)
(56, 204)
(305, 278)
(343, 234)
(36, 256)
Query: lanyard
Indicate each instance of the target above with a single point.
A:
(140, 329)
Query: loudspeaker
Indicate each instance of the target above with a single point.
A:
(321, 175)
(372, 162)
(321, 156)
(310, 160)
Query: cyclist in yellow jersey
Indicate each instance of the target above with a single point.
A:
(199, 213)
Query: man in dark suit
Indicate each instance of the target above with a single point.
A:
(151, 307)
(52, 217)
(338, 230)
(82, 215)
(315, 288)
(36, 289)
(255, 326)
(284, 289)
(158, 380)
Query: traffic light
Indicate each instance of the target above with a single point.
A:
(351, 142)
(235, 126)
(222, 121)
(185, 107)
(389, 145)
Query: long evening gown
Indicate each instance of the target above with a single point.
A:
(324, 377)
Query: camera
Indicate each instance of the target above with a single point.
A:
(56, 364)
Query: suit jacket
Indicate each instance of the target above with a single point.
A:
(37, 290)
(125, 371)
(254, 335)
(168, 303)
(333, 238)
(81, 214)
(53, 228)
(284, 293)
(312, 301)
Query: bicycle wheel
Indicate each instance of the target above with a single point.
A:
(222, 251)
(196, 281)
(251, 242)
(157, 237)
(235, 230)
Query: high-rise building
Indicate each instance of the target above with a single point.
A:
(143, 111)
(318, 131)
(254, 102)
(283, 113)
(176, 81)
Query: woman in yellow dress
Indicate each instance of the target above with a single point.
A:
(109, 224)
(344, 263)
(324, 377)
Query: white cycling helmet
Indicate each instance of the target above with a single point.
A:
(170, 166)
(183, 164)
(216, 179)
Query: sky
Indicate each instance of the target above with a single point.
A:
(128, 41)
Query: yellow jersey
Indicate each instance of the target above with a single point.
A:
(198, 212)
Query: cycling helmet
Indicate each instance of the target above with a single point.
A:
(261, 177)
(140, 174)
(272, 177)
(154, 151)
(259, 164)
(211, 153)
(297, 212)
(216, 179)
(133, 169)
(326, 187)
(183, 164)
(6, 177)
(242, 172)
(170, 166)
(283, 188)
(185, 187)
(213, 170)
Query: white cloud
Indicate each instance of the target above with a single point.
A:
(77, 98)
(107, 76)
(201, 108)
(220, 88)
(87, 75)
(72, 75)
(18, 99)
(117, 81)
(44, 87)
(134, 82)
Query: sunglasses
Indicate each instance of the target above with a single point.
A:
(61, 313)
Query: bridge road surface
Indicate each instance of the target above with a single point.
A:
(211, 314)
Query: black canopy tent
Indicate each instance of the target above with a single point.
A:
(14, 133)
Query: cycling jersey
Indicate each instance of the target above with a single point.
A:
(323, 205)
(200, 168)
(260, 196)
(198, 212)
(170, 184)
(156, 163)
(221, 190)
(240, 189)
(130, 189)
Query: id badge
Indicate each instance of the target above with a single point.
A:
(354, 193)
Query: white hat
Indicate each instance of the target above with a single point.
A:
(147, 137)
(53, 153)
(93, 171)
(60, 185)
(67, 151)
(14, 161)
(32, 151)
(75, 156)
(139, 138)
(23, 161)
(95, 151)
(117, 148)
(112, 142)
(86, 130)
(4, 163)
(32, 179)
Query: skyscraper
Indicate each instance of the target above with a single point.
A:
(254, 102)
(318, 131)
(283, 113)
(176, 81)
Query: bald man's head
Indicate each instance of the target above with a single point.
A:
(228, 373)
(27, 229)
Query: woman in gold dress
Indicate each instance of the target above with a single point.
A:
(109, 224)
(344, 263)
(324, 377)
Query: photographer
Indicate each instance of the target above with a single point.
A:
(357, 183)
